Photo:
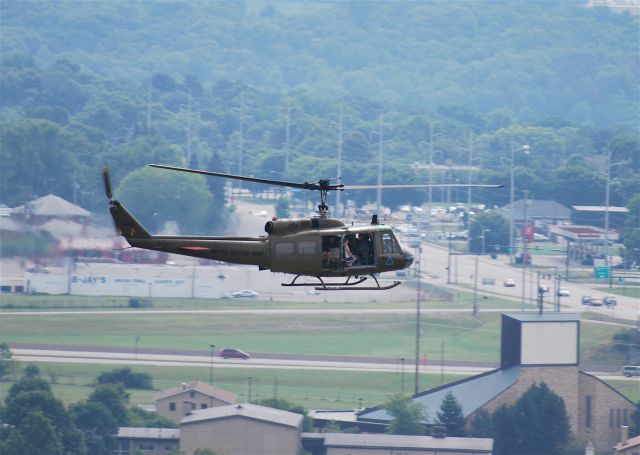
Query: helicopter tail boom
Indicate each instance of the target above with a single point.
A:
(128, 226)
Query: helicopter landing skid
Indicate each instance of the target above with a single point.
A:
(342, 287)
(325, 285)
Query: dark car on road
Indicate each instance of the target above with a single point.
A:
(232, 353)
(610, 301)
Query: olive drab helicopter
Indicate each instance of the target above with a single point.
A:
(319, 247)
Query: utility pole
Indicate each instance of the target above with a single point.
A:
(475, 290)
(287, 135)
(417, 379)
(430, 167)
(606, 220)
(379, 184)
(340, 143)
(241, 140)
(525, 232)
(470, 170)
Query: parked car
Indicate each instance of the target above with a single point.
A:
(232, 353)
(610, 301)
(245, 294)
(586, 299)
(564, 292)
(631, 370)
(509, 283)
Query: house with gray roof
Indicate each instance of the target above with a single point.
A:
(177, 402)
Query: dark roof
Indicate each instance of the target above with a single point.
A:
(531, 316)
(472, 393)
(538, 209)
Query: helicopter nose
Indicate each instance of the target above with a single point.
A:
(408, 257)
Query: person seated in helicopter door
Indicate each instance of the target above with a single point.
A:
(349, 257)
(330, 251)
(363, 249)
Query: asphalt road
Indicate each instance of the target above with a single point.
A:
(435, 260)
(166, 357)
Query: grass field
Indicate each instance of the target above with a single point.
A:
(313, 390)
(629, 291)
(433, 297)
(389, 335)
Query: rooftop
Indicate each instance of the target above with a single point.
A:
(149, 433)
(51, 205)
(544, 317)
(402, 442)
(248, 410)
(198, 386)
(471, 393)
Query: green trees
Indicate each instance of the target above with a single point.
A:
(156, 195)
(408, 417)
(7, 364)
(37, 422)
(536, 424)
(488, 233)
(127, 378)
(450, 415)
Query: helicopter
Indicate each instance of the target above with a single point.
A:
(319, 247)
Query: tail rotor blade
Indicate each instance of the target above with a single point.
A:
(107, 183)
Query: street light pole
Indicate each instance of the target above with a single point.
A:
(525, 237)
(212, 348)
(511, 196)
(402, 359)
(417, 380)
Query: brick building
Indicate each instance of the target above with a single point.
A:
(537, 348)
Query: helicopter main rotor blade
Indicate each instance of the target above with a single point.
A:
(322, 185)
(426, 185)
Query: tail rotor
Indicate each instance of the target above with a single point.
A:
(107, 183)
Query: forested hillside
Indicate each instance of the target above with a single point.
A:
(237, 86)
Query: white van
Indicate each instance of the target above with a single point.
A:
(631, 370)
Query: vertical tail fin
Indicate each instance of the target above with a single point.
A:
(125, 223)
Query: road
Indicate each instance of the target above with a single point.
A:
(435, 260)
(198, 359)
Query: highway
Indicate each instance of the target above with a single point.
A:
(111, 356)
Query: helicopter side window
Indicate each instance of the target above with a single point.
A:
(284, 249)
(389, 245)
(307, 248)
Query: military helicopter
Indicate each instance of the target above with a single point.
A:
(319, 247)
